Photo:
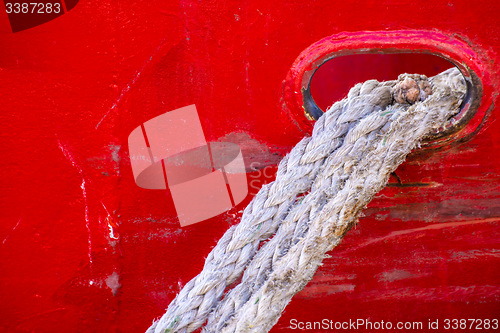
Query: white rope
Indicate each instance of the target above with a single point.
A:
(354, 147)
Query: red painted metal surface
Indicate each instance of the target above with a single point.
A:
(83, 249)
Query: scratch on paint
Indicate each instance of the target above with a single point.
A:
(130, 83)
(109, 221)
(13, 229)
(70, 158)
(429, 227)
(111, 234)
(31, 317)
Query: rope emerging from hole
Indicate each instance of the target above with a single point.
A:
(321, 187)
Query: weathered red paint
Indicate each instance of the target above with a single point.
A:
(83, 249)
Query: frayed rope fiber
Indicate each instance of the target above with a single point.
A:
(321, 187)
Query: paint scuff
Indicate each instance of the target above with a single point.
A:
(113, 283)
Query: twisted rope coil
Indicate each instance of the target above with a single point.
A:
(321, 187)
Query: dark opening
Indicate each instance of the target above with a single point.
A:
(333, 79)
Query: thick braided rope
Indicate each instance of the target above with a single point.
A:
(353, 175)
(296, 172)
(352, 126)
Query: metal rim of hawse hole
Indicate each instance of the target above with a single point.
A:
(469, 58)
(467, 110)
